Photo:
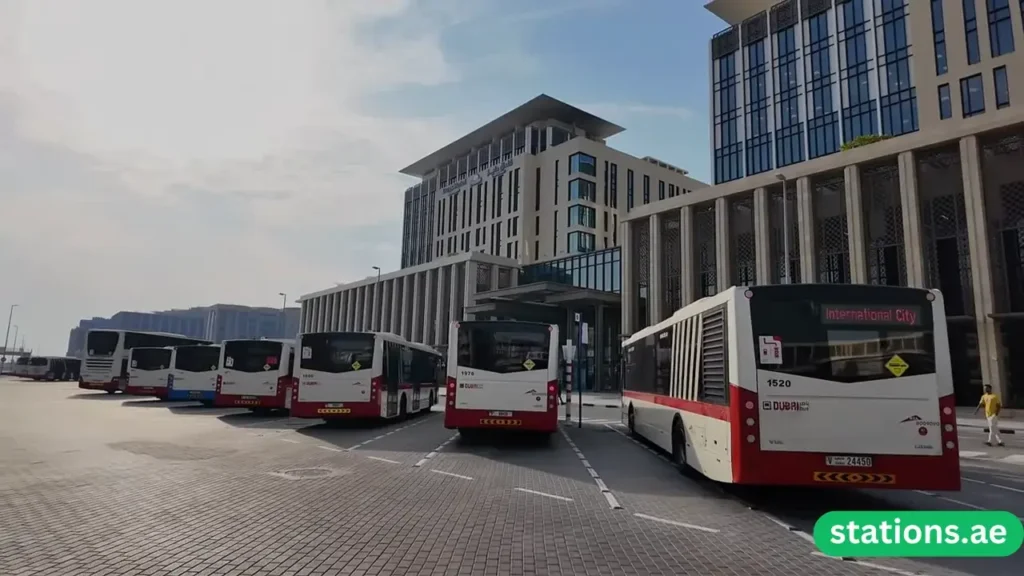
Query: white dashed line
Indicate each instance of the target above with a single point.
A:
(613, 502)
(871, 565)
(954, 501)
(528, 491)
(330, 448)
(679, 524)
(289, 440)
(395, 431)
(379, 459)
(1010, 488)
(973, 480)
(452, 474)
(430, 455)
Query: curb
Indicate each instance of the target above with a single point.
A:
(593, 405)
(985, 428)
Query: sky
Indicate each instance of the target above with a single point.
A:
(160, 154)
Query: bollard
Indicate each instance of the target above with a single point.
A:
(568, 392)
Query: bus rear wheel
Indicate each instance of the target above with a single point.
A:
(631, 421)
(679, 446)
(403, 412)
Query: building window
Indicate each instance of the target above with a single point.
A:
(759, 137)
(789, 132)
(581, 242)
(536, 193)
(583, 164)
(971, 32)
(629, 190)
(945, 104)
(1002, 85)
(581, 189)
(615, 185)
(604, 190)
(661, 189)
(899, 98)
(822, 120)
(556, 182)
(728, 148)
(647, 189)
(972, 96)
(939, 37)
(860, 110)
(1000, 27)
(615, 229)
(554, 234)
(582, 216)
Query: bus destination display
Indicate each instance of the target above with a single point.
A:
(847, 314)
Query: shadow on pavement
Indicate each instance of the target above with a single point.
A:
(152, 403)
(347, 433)
(547, 454)
(97, 396)
(268, 420)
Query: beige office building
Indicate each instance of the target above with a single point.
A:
(937, 202)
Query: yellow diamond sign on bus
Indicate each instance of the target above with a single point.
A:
(897, 366)
(356, 365)
(528, 364)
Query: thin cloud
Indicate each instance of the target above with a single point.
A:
(612, 110)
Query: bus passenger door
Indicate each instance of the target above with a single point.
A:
(411, 367)
(392, 376)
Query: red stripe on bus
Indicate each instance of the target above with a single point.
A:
(710, 410)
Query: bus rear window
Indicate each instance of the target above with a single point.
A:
(503, 348)
(252, 356)
(151, 358)
(336, 353)
(38, 361)
(847, 342)
(101, 343)
(197, 358)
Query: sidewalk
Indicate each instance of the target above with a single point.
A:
(590, 399)
(965, 418)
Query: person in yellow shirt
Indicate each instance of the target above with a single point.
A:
(992, 407)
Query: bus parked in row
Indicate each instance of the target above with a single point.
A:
(105, 365)
(148, 370)
(800, 385)
(48, 368)
(502, 375)
(364, 375)
(255, 374)
(193, 374)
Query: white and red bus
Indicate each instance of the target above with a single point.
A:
(800, 385)
(105, 366)
(364, 375)
(255, 374)
(502, 375)
(148, 369)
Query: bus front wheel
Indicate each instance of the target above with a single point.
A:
(679, 445)
(403, 413)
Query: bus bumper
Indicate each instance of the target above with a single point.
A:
(200, 395)
(483, 419)
(105, 386)
(335, 410)
(158, 391)
(246, 401)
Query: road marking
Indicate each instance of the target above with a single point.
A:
(972, 454)
(613, 502)
(871, 565)
(1013, 459)
(289, 440)
(379, 459)
(1011, 489)
(433, 453)
(452, 474)
(947, 499)
(679, 524)
(528, 491)
(966, 479)
(331, 448)
(389, 433)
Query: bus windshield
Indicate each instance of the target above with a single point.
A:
(23, 361)
(337, 353)
(197, 358)
(252, 355)
(101, 343)
(151, 358)
(37, 361)
(845, 338)
(503, 347)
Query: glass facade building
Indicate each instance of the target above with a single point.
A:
(600, 270)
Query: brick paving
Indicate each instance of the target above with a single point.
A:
(92, 487)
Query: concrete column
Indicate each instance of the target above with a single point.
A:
(469, 285)
(627, 288)
(599, 345)
(386, 311)
(321, 315)
(369, 300)
(360, 309)
(453, 295)
(395, 320)
(855, 225)
(495, 269)
(350, 310)
(688, 266)
(440, 313)
(655, 295)
(989, 342)
(418, 315)
(405, 319)
(303, 318)
(723, 252)
(762, 238)
(805, 223)
(910, 207)
(314, 313)
(377, 304)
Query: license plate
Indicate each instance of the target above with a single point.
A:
(500, 414)
(334, 405)
(195, 394)
(850, 461)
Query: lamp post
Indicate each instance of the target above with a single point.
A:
(14, 341)
(785, 229)
(284, 319)
(10, 316)
(373, 306)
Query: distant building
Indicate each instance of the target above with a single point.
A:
(218, 322)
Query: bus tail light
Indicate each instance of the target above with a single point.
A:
(947, 420)
(375, 386)
(220, 379)
(552, 391)
(451, 391)
(282, 385)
